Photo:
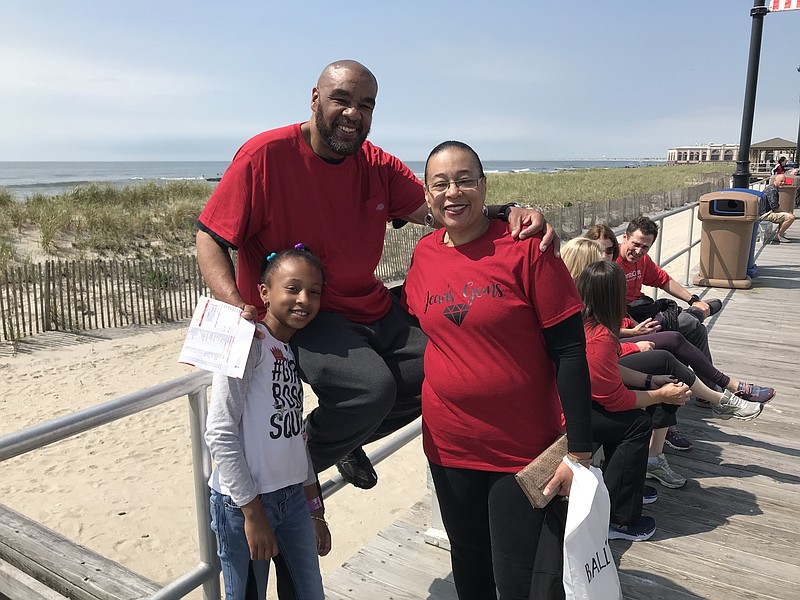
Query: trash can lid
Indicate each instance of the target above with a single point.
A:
(748, 190)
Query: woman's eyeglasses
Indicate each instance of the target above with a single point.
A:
(462, 184)
(609, 250)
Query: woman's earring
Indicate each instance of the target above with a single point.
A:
(485, 211)
(429, 219)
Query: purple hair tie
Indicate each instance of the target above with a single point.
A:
(299, 247)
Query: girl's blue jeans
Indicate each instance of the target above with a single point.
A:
(288, 515)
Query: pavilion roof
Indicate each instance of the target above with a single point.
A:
(774, 144)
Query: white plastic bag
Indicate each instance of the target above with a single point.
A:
(589, 569)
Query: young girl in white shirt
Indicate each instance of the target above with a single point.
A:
(264, 493)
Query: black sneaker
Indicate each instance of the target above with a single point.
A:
(357, 470)
(676, 440)
(649, 495)
(640, 531)
(702, 403)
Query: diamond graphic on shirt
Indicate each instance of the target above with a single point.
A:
(456, 313)
(276, 352)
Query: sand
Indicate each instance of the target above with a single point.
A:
(125, 489)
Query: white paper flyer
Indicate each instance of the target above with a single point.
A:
(218, 339)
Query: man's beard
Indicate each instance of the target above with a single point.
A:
(335, 144)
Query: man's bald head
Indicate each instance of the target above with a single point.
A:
(351, 66)
(342, 105)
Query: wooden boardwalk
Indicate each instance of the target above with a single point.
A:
(731, 533)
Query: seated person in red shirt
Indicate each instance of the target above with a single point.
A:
(780, 167)
(578, 253)
(601, 286)
(647, 335)
(640, 270)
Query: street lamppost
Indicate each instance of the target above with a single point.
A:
(797, 150)
(741, 177)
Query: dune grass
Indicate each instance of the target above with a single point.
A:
(145, 220)
(566, 188)
(155, 220)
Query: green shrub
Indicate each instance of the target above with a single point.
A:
(6, 199)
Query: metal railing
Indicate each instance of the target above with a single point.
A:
(194, 386)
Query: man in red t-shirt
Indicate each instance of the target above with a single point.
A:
(640, 270)
(322, 184)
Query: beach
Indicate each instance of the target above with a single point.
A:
(125, 490)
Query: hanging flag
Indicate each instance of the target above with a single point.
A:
(776, 5)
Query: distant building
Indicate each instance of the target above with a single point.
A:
(763, 155)
(689, 155)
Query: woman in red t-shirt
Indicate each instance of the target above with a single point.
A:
(505, 341)
(602, 289)
(644, 336)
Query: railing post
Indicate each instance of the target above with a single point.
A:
(692, 217)
(201, 460)
(657, 254)
(435, 535)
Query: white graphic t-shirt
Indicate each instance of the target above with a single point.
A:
(255, 428)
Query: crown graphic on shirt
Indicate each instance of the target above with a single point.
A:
(276, 352)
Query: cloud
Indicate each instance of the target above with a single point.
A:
(29, 74)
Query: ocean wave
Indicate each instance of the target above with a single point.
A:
(45, 185)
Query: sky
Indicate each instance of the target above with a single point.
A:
(518, 80)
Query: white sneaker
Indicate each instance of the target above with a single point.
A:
(738, 408)
(661, 471)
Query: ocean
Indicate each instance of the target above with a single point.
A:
(24, 179)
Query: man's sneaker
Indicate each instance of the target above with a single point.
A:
(661, 471)
(640, 531)
(733, 406)
(754, 393)
(649, 495)
(357, 470)
(676, 440)
(784, 240)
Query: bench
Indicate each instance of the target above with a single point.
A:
(35, 559)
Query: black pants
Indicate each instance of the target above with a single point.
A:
(686, 352)
(625, 437)
(690, 327)
(368, 378)
(660, 362)
(497, 539)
